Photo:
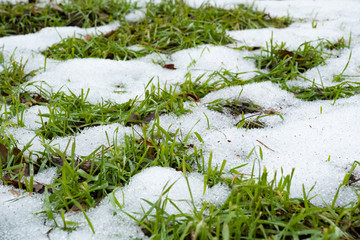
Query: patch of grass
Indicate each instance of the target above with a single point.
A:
(86, 180)
(12, 77)
(198, 88)
(14, 100)
(167, 27)
(338, 45)
(234, 107)
(69, 114)
(24, 18)
(284, 65)
(94, 47)
(316, 92)
(237, 107)
(157, 101)
(255, 209)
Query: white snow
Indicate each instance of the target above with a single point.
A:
(319, 139)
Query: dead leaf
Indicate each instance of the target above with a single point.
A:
(265, 145)
(55, 6)
(74, 208)
(88, 37)
(13, 192)
(109, 34)
(87, 166)
(169, 66)
(37, 186)
(149, 117)
(3, 153)
(193, 97)
(133, 119)
(145, 231)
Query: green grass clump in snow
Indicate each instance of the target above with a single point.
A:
(88, 179)
(284, 65)
(24, 18)
(255, 209)
(69, 114)
(281, 65)
(12, 77)
(319, 92)
(250, 112)
(167, 27)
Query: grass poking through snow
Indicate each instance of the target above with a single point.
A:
(257, 208)
(167, 27)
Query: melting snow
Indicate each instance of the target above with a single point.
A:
(319, 139)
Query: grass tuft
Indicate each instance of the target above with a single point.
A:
(167, 27)
(24, 18)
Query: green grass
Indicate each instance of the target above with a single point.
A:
(257, 208)
(88, 179)
(284, 65)
(237, 107)
(69, 114)
(12, 77)
(280, 65)
(166, 28)
(24, 18)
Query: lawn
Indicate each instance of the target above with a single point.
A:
(179, 119)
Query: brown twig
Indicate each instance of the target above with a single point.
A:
(265, 145)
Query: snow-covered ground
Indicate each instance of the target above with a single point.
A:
(319, 139)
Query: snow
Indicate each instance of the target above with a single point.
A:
(319, 139)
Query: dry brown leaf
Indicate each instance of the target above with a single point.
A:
(88, 37)
(13, 192)
(3, 153)
(169, 66)
(108, 34)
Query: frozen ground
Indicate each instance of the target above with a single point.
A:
(319, 139)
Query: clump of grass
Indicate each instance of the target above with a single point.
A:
(255, 209)
(199, 87)
(167, 27)
(95, 47)
(15, 100)
(86, 180)
(234, 107)
(69, 114)
(12, 77)
(338, 45)
(237, 107)
(318, 92)
(23, 18)
(157, 101)
(284, 65)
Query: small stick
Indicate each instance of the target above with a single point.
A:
(353, 181)
(265, 145)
